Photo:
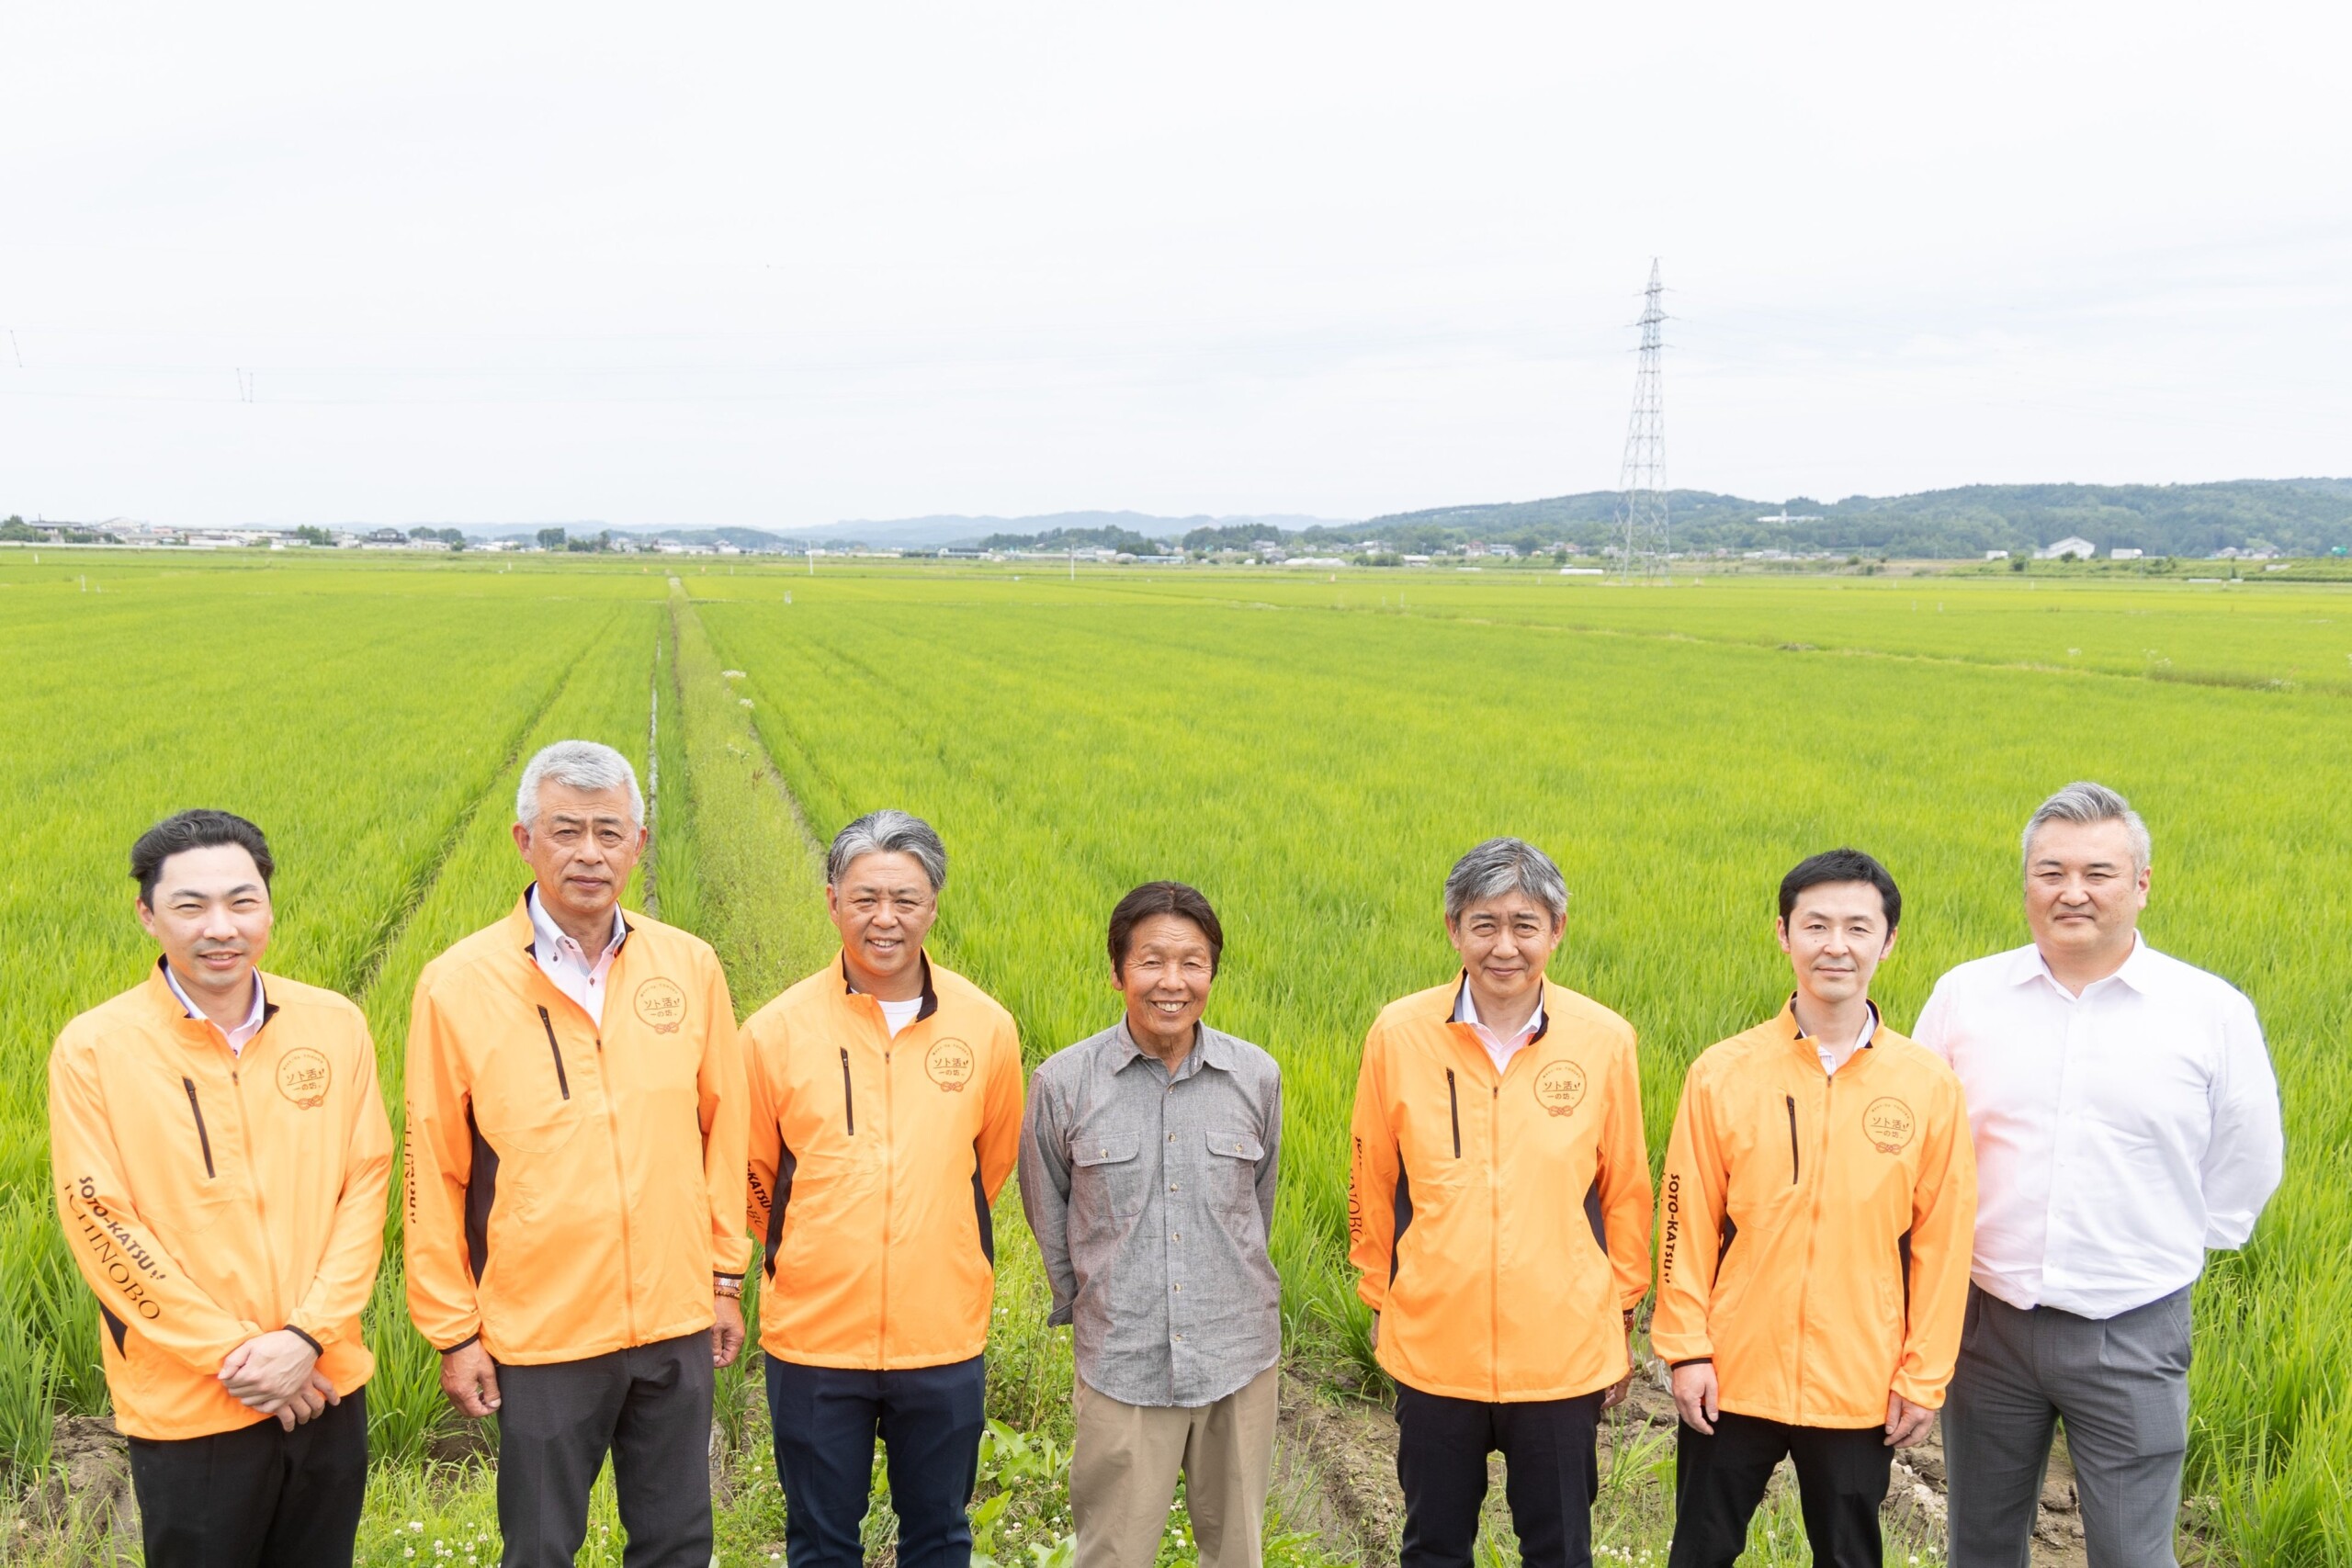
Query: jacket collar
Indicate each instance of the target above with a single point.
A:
(165, 995)
(525, 931)
(1464, 1008)
(929, 996)
(1796, 1036)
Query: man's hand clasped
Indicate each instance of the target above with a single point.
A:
(277, 1374)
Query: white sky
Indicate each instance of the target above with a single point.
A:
(777, 265)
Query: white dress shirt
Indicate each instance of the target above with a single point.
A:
(564, 962)
(237, 1038)
(2119, 1133)
(1497, 1048)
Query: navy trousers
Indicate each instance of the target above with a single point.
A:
(1551, 1455)
(825, 1420)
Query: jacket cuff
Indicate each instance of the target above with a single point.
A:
(473, 1339)
(1692, 1361)
(1918, 1393)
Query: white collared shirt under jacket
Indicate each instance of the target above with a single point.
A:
(2119, 1133)
(565, 963)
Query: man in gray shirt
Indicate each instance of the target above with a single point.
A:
(1147, 1160)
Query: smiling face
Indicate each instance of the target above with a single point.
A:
(883, 906)
(212, 916)
(1505, 942)
(582, 847)
(2083, 892)
(1836, 937)
(1166, 978)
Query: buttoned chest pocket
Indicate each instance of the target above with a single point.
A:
(1230, 1175)
(1107, 1175)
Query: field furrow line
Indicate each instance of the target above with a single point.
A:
(419, 885)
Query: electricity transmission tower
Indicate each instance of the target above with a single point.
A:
(1641, 514)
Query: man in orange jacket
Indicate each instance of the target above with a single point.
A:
(1814, 1227)
(222, 1157)
(575, 1143)
(1498, 1206)
(886, 1114)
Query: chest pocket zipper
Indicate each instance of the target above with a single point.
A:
(562, 1083)
(1453, 1111)
(848, 1096)
(203, 1137)
(1793, 1139)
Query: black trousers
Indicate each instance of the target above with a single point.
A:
(259, 1497)
(1718, 1481)
(825, 1419)
(1552, 1474)
(651, 1407)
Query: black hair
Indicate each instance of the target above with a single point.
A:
(197, 829)
(1163, 898)
(1842, 866)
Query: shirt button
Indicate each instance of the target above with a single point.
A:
(1177, 1235)
(1179, 1338)
(1171, 1187)
(1172, 1137)
(1180, 1290)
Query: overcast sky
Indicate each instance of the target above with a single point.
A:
(784, 265)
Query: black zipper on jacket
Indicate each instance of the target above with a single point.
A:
(201, 1136)
(562, 1082)
(849, 1097)
(1453, 1109)
(1792, 1137)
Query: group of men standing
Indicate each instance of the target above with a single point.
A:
(592, 1143)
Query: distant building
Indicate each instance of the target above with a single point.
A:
(1997, 555)
(2068, 548)
(2121, 553)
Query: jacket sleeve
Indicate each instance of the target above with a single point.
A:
(998, 1145)
(724, 1100)
(766, 1141)
(1943, 1234)
(135, 1281)
(1374, 1167)
(2246, 1151)
(346, 1275)
(438, 1144)
(1692, 1200)
(1044, 1194)
(1625, 1181)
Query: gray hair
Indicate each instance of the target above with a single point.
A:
(888, 833)
(1505, 865)
(2084, 801)
(581, 764)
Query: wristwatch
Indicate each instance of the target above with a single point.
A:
(727, 1285)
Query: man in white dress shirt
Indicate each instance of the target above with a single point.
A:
(2126, 1120)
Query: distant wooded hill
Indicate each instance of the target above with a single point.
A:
(2297, 516)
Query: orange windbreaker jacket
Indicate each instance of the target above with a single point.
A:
(209, 1198)
(1815, 1230)
(1502, 1224)
(873, 1164)
(571, 1187)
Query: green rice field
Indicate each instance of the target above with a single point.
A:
(1312, 750)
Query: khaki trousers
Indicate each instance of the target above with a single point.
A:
(1122, 1475)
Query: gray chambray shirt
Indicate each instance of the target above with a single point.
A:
(1151, 1198)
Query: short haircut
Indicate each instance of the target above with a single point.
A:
(2084, 801)
(1500, 867)
(1842, 866)
(1163, 898)
(197, 829)
(587, 766)
(888, 833)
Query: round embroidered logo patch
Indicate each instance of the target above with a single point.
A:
(662, 1005)
(949, 1063)
(1889, 1124)
(1559, 1087)
(304, 1076)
